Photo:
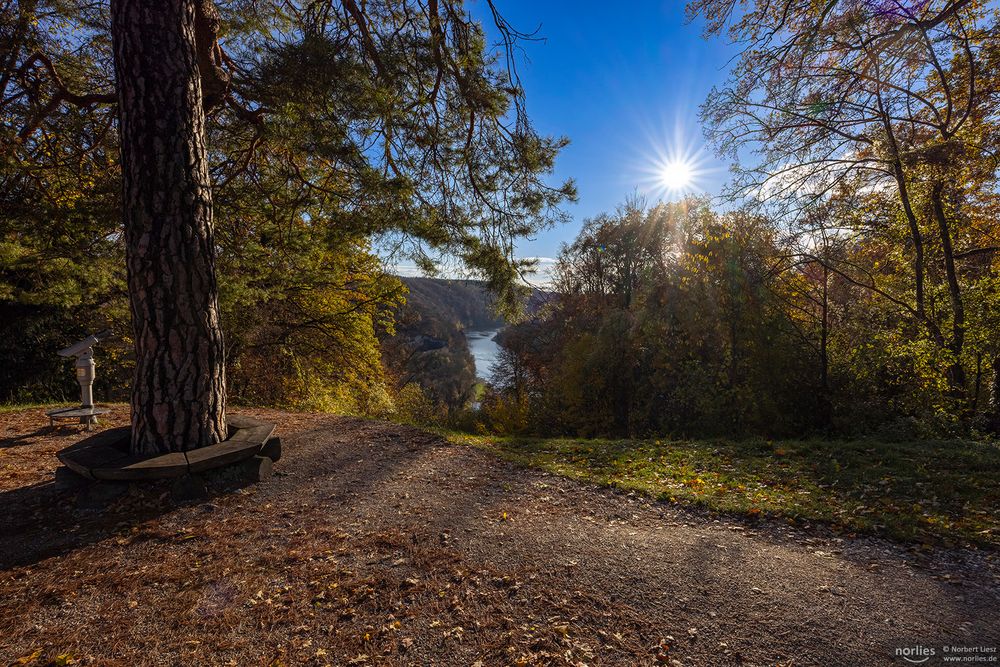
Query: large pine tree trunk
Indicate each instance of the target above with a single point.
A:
(178, 398)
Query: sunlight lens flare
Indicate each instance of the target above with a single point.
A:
(674, 164)
(677, 175)
(675, 172)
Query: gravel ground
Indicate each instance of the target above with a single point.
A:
(380, 544)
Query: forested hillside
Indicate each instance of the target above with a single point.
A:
(848, 285)
(749, 420)
(428, 356)
(465, 303)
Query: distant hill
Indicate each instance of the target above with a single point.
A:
(464, 304)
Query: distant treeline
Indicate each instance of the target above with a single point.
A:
(682, 320)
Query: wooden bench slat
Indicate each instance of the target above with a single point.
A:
(105, 455)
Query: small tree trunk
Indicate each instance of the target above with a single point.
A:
(993, 414)
(956, 372)
(178, 398)
(825, 408)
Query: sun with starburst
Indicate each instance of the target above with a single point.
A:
(675, 168)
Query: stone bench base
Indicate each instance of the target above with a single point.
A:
(105, 456)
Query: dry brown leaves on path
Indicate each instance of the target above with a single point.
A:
(380, 544)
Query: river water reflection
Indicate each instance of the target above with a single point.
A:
(484, 350)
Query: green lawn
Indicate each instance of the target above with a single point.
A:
(927, 492)
(21, 407)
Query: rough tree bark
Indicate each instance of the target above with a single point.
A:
(178, 397)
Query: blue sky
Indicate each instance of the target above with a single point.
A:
(623, 81)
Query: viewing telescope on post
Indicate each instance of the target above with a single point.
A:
(85, 372)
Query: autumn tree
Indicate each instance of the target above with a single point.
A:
(355, 121)
(890, 106)
(665, 319)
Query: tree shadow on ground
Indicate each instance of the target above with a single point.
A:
(47, 519)
(343, 487)
(22, 439)
(54, 518)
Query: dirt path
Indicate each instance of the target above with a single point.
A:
(382, 544)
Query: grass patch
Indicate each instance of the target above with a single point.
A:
(21, 407)
(478, 390)
(928, 491)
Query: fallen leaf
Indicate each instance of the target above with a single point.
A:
(31, 657)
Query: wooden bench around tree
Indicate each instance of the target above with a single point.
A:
(106, 456)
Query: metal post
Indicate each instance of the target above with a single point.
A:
(85, 372)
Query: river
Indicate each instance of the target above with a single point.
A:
(484, 350)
